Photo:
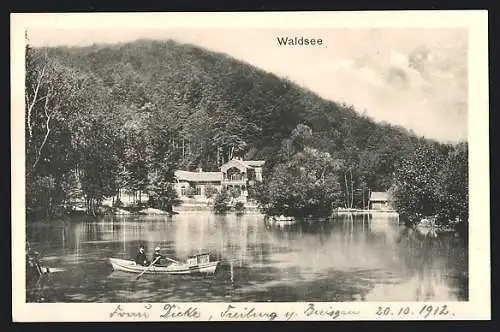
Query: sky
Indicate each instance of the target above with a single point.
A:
(416, 78)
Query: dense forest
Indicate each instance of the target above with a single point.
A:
(106, 118)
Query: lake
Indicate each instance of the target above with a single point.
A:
(346, 259)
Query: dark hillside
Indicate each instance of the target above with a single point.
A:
(216, 102)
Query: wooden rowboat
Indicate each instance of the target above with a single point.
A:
(194, 265)
(280, 221)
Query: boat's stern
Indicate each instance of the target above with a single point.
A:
(209, 268)
(119, 264)
(112, 262)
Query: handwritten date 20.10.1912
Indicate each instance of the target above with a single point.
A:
(425, 311)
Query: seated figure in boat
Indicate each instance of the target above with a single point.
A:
(33, 268)
(141, 258)
(157, 257)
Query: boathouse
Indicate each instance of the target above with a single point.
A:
(236, 173)
(380, 200)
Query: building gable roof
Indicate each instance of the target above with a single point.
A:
(379, 196)
(198, 176)
(254, 163)
(241, 164)
(234, 163)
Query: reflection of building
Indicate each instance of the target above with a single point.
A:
(235, 175)
(380, 200)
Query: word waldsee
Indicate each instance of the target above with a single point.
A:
(299, 41)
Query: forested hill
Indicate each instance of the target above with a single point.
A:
(217, 103)
(125, 116)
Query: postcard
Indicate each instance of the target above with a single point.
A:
(264, 166)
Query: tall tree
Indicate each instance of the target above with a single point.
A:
(416, 188)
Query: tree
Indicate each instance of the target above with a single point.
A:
(454, 179)
(416, 189)
(100, 168)
(301, 137)
(162, 194)
(222, 202)
(304, 182)
(162, 106)
(306, 185)
(54, 96)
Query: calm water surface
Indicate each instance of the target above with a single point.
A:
(345, 260)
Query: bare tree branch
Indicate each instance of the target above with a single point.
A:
(47, 122)
(346, 190)
(34, 101)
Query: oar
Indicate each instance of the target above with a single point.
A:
(170, 259)
(147, 268)
(52, 269)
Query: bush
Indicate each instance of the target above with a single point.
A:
(239, 207)
(221, 202)
(164, 198)
(118, 203)
(210, 191)
(234, 192)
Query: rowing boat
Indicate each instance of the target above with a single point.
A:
(280, 221)
(194, 265)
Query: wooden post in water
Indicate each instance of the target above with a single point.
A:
(364, 207)
(64, 237)
(124, 240)
(351, 226)
(231, 268)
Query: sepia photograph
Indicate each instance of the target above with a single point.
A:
(228, 165)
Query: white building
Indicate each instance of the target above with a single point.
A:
(380, 200)
(236, 173)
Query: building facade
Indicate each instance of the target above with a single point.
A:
(380, 200)
(235, 175)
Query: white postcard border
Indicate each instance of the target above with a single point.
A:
(478, 306)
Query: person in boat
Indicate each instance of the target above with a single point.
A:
(157, 257)
(33, 268)
(141, 258)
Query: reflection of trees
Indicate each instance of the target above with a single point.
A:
(50, 235)
(422, 250)
(40, 289)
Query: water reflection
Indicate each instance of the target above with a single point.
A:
(347, 260)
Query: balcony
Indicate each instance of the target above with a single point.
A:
(234, 182)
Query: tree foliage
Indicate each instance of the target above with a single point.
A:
(304, 183)
(106, 118)
(433, 181)
(222, 202)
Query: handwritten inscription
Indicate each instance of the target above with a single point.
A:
(232, 313)
(175, 311)
(426, 311)
(119, 312)
(330, 313)
(312, 311)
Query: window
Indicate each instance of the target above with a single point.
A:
(183, 191)
(234, 174)
(198, 190)
(203, 259)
